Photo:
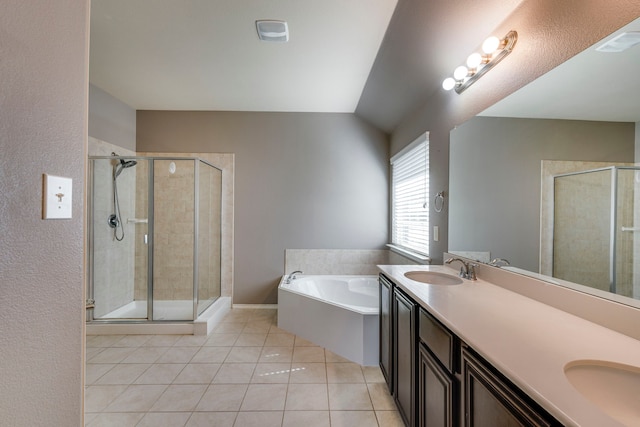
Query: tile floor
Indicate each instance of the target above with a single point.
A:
(248, 372)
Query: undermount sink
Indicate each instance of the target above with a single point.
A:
(433, 278)
(613, 387)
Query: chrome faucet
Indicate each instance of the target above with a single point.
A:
(499, 262)
(467, 271)
(292, 276)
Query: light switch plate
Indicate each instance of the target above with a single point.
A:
(56, 197)
(436, 233)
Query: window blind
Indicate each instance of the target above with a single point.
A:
(410, 197)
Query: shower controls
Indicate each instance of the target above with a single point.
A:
(113, 221)
(57, 198)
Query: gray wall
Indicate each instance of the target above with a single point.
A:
(550, 32)
(495, 178)
(303, 181)
(111, 120)
(43, 129)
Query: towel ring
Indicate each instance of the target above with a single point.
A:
(438, 202)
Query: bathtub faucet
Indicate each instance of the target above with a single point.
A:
(292, 276)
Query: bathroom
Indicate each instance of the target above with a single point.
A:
(350, 223)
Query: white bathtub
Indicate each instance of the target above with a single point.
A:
(339, 313)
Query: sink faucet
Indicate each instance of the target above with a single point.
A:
(292, 276)
(467, 271)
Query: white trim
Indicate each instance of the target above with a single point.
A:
(419, 140)
(256, 306)
(411, 254)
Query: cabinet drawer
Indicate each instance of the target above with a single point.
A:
(438, 339)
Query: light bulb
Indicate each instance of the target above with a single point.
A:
(474, 60)
(448, 83)
(490, 45)
(460, 72)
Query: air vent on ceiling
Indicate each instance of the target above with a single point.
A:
(620, 43)
(272, 31)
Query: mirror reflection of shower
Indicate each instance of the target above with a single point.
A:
(115, 219)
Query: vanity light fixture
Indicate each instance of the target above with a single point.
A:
(493, 51)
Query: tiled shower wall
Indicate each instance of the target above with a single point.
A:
(340, 261)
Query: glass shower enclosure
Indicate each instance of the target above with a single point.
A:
(596, 228)
(154, 238)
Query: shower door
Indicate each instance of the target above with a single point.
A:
(118, 238)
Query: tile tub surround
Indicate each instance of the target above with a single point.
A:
(530, 342)
(339, 261)
(247, 372)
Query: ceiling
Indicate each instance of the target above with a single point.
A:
(378, 58)
(590, 86)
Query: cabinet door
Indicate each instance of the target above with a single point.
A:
(386, 360)
(436, 393)
(404, 339)
(491, 402)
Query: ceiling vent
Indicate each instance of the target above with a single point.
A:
(273, 31)
(620, 43)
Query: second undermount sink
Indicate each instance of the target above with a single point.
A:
(612, 387)
(433, 278)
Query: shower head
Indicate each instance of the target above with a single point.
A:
(118, 168)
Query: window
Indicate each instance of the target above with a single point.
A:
(410, 198)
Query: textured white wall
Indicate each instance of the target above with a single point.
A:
(43, 129)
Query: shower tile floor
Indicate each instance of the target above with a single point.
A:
(246, 373)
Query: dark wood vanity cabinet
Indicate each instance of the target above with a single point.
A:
(437, 380)
(490, 400)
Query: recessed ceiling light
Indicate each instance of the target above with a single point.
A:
(273, 31)
(620, 43)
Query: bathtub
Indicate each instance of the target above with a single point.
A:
(339, 313)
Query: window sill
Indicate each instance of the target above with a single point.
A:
(410, 254)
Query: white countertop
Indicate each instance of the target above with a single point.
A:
(528, 341)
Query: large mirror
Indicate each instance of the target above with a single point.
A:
(546, 178)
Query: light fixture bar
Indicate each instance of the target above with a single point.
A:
(493, 55)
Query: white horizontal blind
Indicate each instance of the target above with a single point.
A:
(410, 197)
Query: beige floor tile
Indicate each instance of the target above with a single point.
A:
(136, 398)
(222, 397)
(238, 315)
(197, 373)
(257, 327)
(221, 340)
(353, 419)
(102, 340)
(164, 419)
(380, 397)
(301, 342)
(234, 373)
(160, 373)
(191, 340)
(179, 398)
(251, 340)
(306, 419)
(162, 341)
(373, 374)
(335, 358)
(307, 397)
(88, 417)
(264, 313)
(124, 373)
(98, 397)
(349, 397)
(276, 330)
(259, 419)
(209, 419)
(271, 373)
(308, 373)
(308, 354)
(230, 327)
(145, 355)
(276, 354)
(265, 397)
(94, 371)
(112, 355)
(280, 340)
(130, 419)
(344, 373)
(92, 351)
(178, 355)
(389, 419)
(132, 341)
(211, 355)
(244, 355)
